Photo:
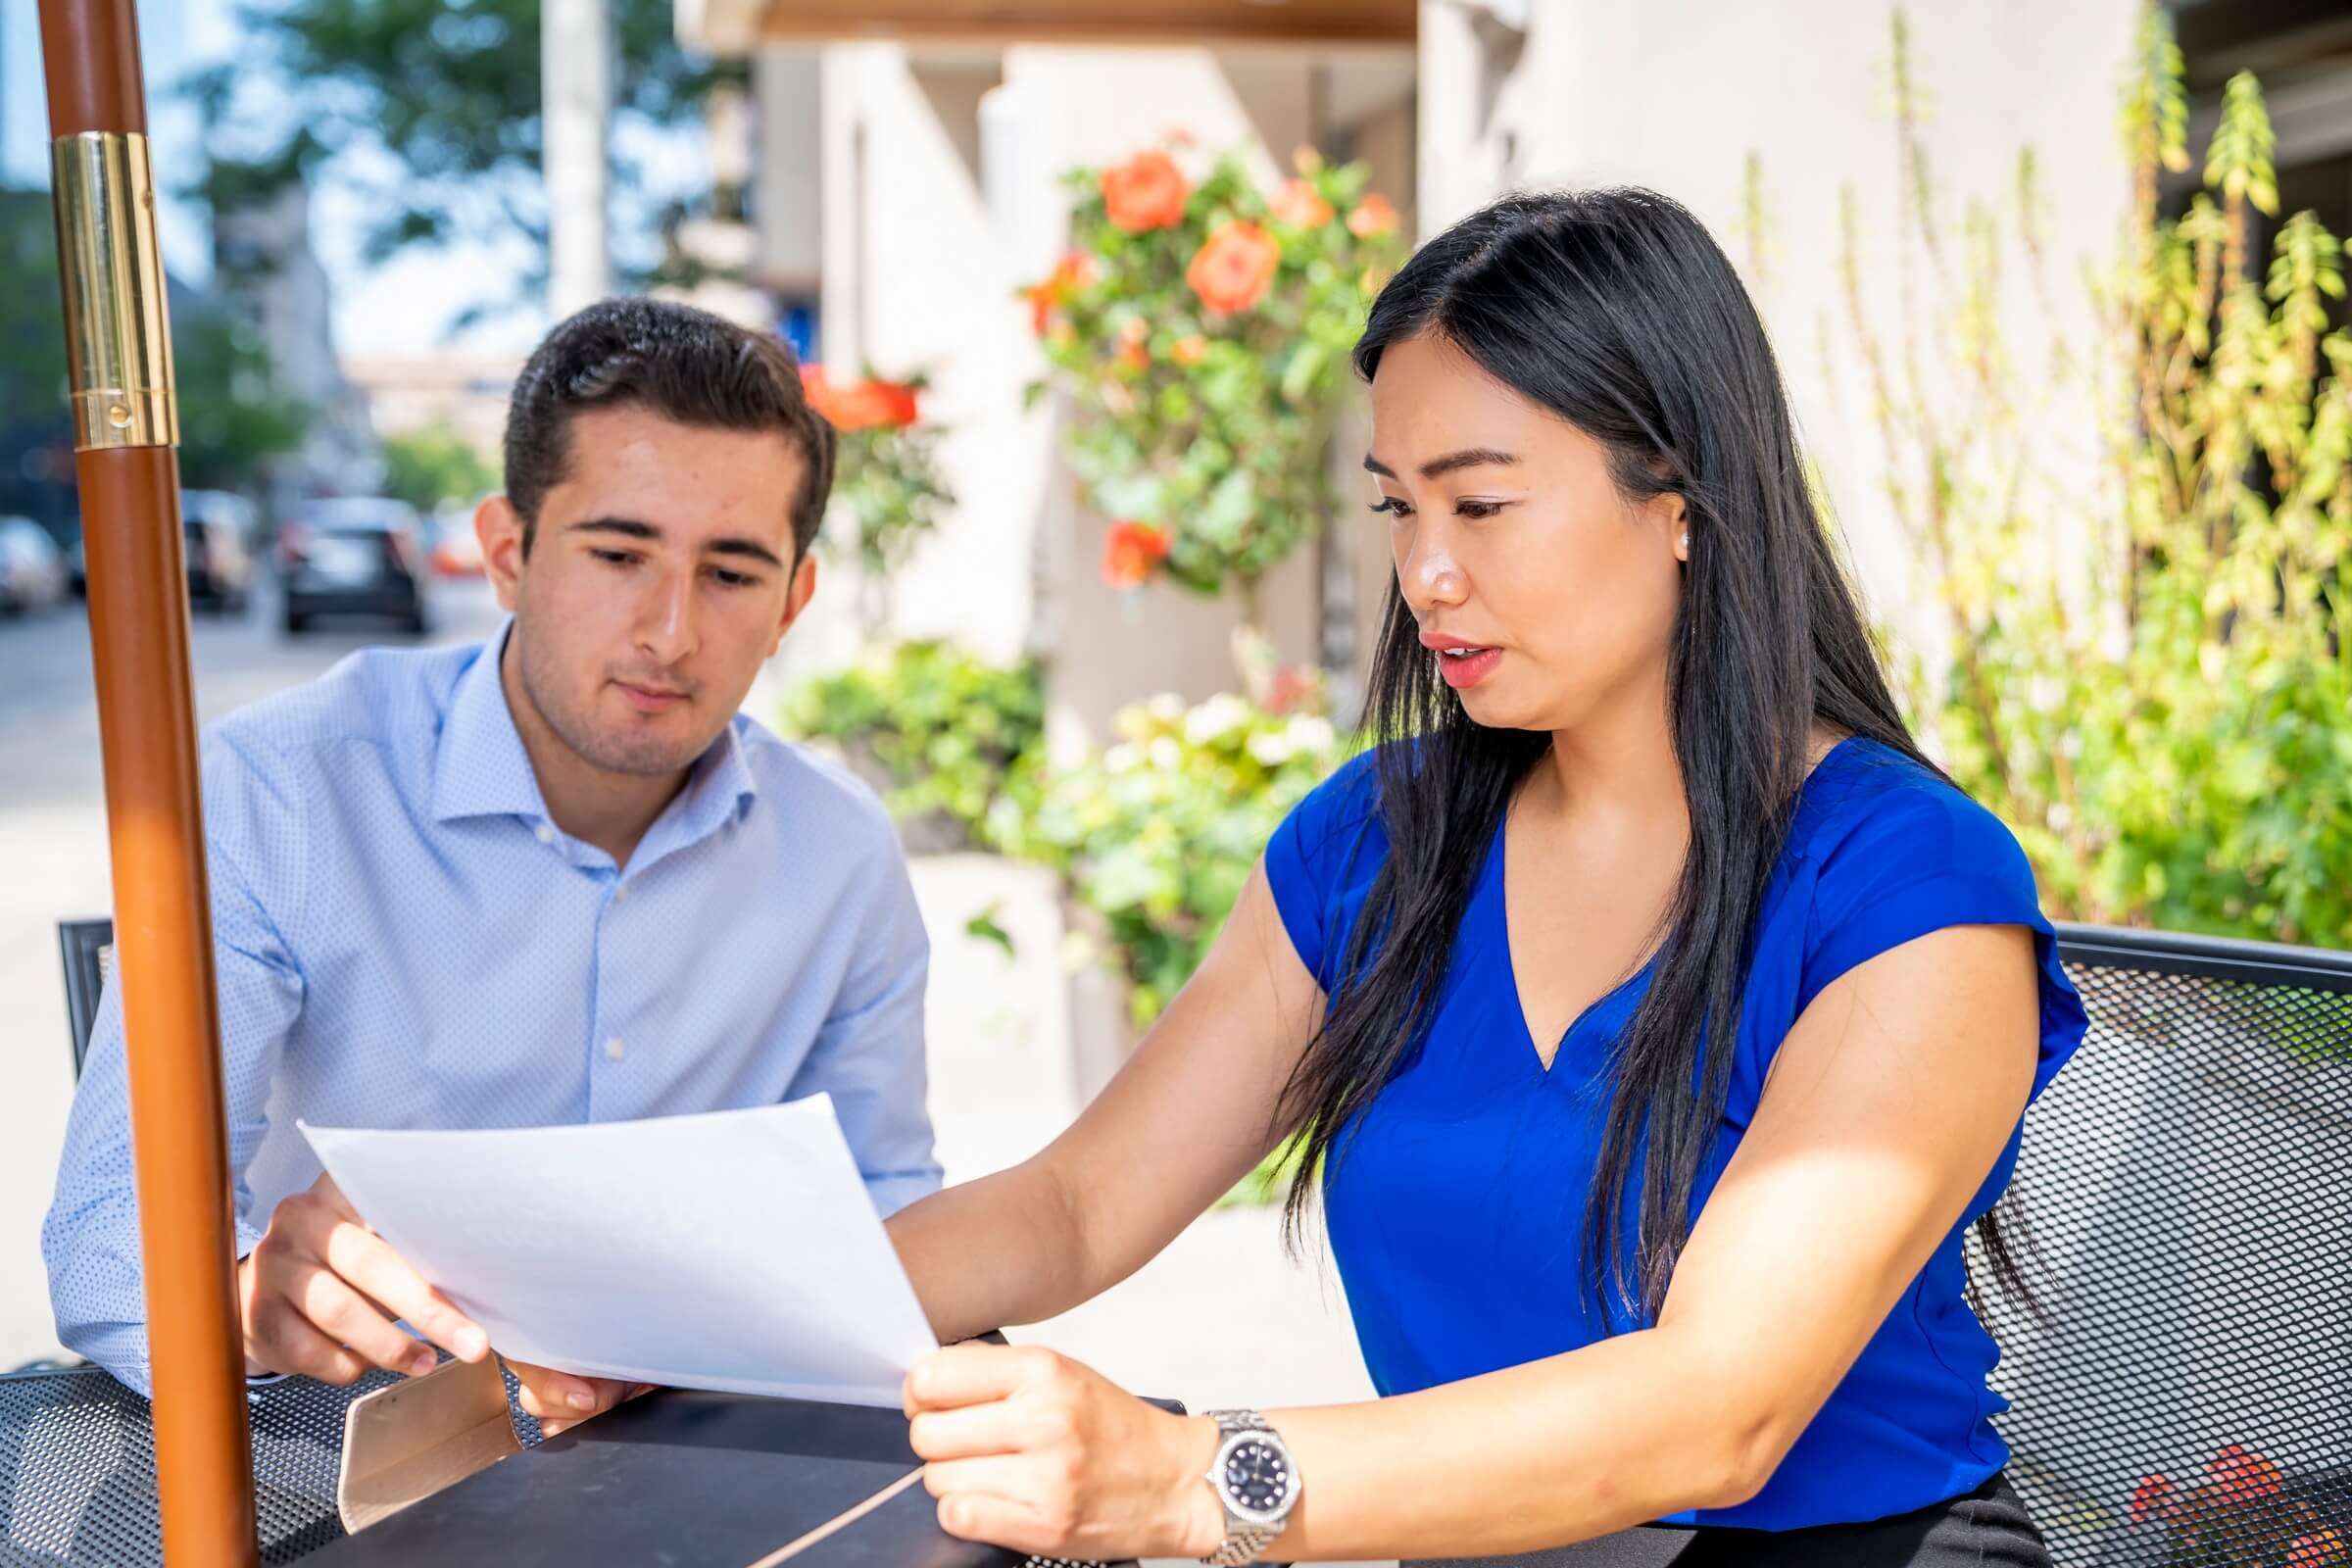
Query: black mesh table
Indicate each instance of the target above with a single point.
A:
(2180, 1389)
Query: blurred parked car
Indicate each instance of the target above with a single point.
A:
(33, 570)
(355, 556)
(219, 565)
(457, 551)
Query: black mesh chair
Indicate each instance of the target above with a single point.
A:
(2184, 1394)
(88, 949)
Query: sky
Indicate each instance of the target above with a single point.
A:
(377, 312)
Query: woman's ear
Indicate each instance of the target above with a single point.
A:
(1677, 525)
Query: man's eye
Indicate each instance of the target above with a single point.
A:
(1476, 509)
(616, 557)
(732, 579)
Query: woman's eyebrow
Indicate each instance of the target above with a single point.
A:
(1467, 457)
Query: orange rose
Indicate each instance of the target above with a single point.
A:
(2153, 1498)
(1190, 349)
(1074, 272)
(1233, 270)
(1134, 358)
(1373, 217)
(2241, 1475)
(1130, 552)
(1146, 193)
(860, 406)
(2317, 1551)
(1297, 205)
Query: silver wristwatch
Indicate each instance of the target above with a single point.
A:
(1255, 1483)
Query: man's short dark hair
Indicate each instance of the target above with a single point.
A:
(671, 360)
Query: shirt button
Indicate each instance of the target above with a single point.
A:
(547, 834)
(615, 1048)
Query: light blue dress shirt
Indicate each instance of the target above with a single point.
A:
(406, 940)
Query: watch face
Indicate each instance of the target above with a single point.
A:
(1258, 1477)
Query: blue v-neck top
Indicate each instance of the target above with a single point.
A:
(1456, 1211)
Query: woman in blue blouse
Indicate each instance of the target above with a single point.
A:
(1656, 1018)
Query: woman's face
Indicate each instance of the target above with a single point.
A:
(1543, 595)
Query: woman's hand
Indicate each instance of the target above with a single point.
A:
(1029, 1450)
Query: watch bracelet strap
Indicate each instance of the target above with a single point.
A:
(1243, 1542)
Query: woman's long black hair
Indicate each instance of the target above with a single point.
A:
(1616, 311)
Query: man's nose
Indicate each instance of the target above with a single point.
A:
(666, 618)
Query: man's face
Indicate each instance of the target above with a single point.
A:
(659, 577)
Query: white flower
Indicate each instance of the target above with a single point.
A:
(1221, 716)
(1122, 757)
(1312, 732)
(1273, 748)
(1166, 753)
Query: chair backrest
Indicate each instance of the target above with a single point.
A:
(88, 949)
(2185, 1393)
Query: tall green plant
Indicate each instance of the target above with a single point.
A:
(2145, 664)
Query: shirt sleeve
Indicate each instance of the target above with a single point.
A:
(1305, 859)
(1924, 859)
(258, 858)
(869, 1054)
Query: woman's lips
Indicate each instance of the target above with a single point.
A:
(1468, 666)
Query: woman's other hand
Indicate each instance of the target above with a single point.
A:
(1029, 1450)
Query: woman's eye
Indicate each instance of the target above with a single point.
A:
(1393, 506)
(1476, 509)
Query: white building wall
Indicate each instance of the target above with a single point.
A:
(940, 197)
(1676, 96)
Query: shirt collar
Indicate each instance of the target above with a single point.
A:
(481, 769)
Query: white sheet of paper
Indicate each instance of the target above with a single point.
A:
(735, 1249)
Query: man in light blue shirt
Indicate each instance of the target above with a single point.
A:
(555, 879)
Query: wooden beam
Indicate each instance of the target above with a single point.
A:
(1290, 23)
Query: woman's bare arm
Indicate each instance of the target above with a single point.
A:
(1188, 1116)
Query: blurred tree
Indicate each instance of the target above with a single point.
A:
(37, 433)
(233, 416)
(426, 467)
(450, 89)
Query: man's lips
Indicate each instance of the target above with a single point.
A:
(650, 699)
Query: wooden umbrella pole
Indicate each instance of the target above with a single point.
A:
(124, 434)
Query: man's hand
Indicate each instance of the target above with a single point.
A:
(560, 1399)
(320, 1292)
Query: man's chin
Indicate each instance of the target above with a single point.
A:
(645, 754)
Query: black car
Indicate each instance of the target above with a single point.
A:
(357, 555)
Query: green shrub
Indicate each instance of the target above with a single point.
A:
(2145, 666)
(1157, 834)
(945, 737)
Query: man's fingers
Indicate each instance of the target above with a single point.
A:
(282, 1341)
(371, 1265)
(560, 1398)
(337, 1310)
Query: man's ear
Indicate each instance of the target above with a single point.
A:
(499, 529)
(796, 598)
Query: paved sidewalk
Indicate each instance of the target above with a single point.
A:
(1222, 1318)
